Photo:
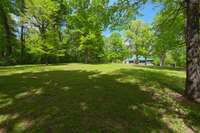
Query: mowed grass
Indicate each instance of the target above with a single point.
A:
(108, 98)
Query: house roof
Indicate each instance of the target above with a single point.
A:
(140, 58)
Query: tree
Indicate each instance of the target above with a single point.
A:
(179, 57)
(115, 48)
(7, 23)
(20, 4)
(88, 19)
(90, 44)
(169, 35)
(190, 10)
(141, 39)
(193, 45)
(39, 14)
(147, 42)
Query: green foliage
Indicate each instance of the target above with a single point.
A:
(7, 28)
(169, 31)
(115, 49)
(39, 11)
(2, 38)
(179, 56)
(140, 37)
(42, 31)
(92, 45)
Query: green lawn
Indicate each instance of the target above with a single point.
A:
(110, 98)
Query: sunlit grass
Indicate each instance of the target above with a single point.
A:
(95, 98)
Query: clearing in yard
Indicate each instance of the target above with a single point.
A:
(79, 98)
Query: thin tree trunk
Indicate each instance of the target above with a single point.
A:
(42, 30)
(86, 56)
(137, 59)
(2, 53)
(8, 40)
(22, 38)
(22, 44)
(145, 61)
(162, 60)
(193, 44)
(175, 64)
(46, 59)
(60, 35)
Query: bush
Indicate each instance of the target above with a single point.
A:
(8, 61)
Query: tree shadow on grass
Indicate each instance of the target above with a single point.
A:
(75, 101)
(153, 78)
(78, 101)
(162, 67)
(171, 92)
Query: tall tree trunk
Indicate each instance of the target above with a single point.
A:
(22, 38)
(22, 43)
(86, 56)
(162, 60)
(4, 17)
(193, 44)
(8, 38)
(60, 35)
(42, 30)
(46, 59)
(145, 61)
(137, 59)
(175, 64)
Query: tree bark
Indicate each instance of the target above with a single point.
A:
(8, 33)
(86, 56)
(42, 30)
(145, 61)
(137, 59)
(60, 35)
(46, 59)
(192, 90)
(22, 44)
(175, 64)
(162, 60)
(22, 37)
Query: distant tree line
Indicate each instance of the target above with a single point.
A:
(54, 31)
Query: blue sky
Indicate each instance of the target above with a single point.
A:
(148, 12)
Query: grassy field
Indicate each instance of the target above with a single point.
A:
(110, 98)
